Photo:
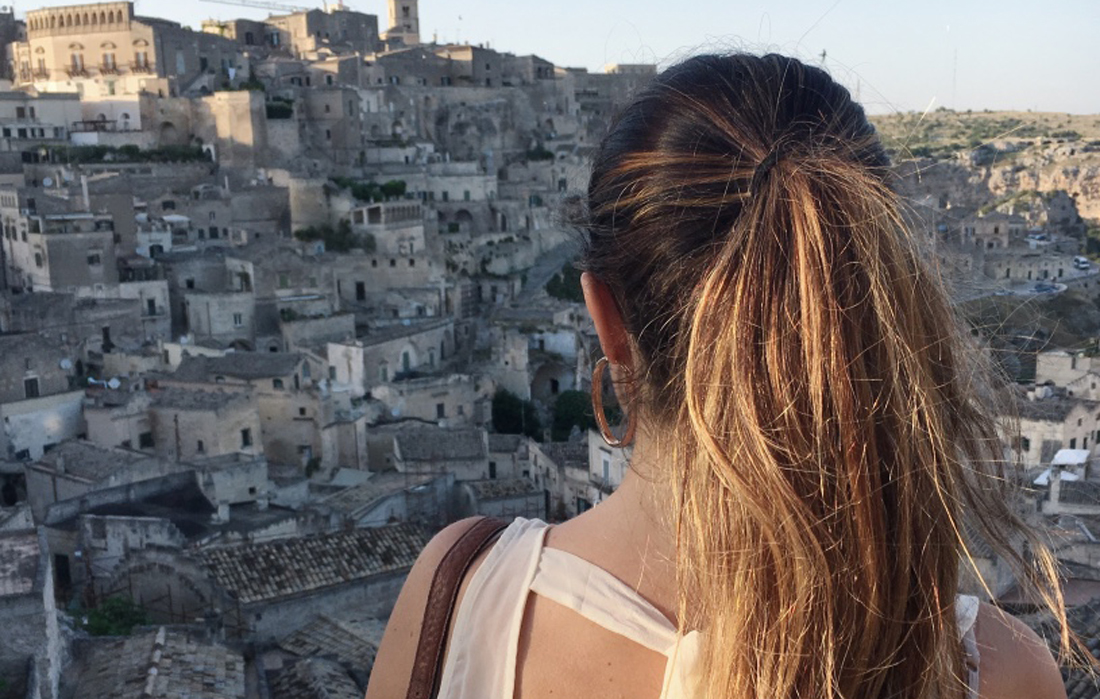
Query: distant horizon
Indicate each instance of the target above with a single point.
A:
(894, 59)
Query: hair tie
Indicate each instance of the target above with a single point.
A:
(762, 171)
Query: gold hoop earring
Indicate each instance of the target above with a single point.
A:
(597, 409)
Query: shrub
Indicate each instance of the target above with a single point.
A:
(512, 415)
(115, 616)
(566, 285)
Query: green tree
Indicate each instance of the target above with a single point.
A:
(571, 408)
(394, 189)
(513, 415)
(566, 285)
(115, 616)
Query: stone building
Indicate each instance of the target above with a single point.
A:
(76, 468)
(391, 496)
(1050, 420)
(39, 402)
(109, 56)
(51, 244)
(34, 649)
(503, 498)
(188, 424)
(994, 231)
(29, 122)
(463, 452)
(264, 592)
(404, 23)
(336, 30)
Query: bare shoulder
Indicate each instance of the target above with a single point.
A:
(393, 665)
(1015, 662)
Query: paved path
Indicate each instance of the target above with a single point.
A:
(549, 264)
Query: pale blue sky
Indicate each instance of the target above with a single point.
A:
(900, 54)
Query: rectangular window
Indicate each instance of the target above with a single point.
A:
(238, 320)
(20, 112)
(30, 387)
(277, 383)
(492, 469)
(94, 260)
(284, 281)
(145, 440)
(246, 438)
(440, 410)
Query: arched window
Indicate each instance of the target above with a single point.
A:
(53, 22)
(61, 22)
(103, 18)
(95, 19)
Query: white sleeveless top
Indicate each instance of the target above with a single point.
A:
(481, 660)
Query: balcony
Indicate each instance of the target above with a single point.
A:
(41, 74)
(77, 71)
(108, 68)
(141, 68)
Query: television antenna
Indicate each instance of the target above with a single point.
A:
(263, 5)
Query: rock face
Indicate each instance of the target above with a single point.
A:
(1006, 180)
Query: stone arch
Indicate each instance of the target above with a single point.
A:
(61, 21)
(95, 19)
(171, 586)
(168, 132)
(552, 378)
(242, 345)
(53, 22)
(103, 18)
(464, 219)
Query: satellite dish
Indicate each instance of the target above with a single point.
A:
(66, 364)
(47, 181)
(396, 412)
(113, 384)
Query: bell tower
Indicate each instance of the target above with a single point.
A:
(404, 21)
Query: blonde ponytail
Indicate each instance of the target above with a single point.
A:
(821, 405)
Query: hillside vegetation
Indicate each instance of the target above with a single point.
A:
(944, 132)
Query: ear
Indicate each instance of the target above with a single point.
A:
(614, 339)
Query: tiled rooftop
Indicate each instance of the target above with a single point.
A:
(1085, 622)
(183, 399)
(276, 569)
(161, 663)
(379, 335)
(92, 462)
(352, 643)
(437, 444)
(240, 365)
(314, 679)
(504, 488)
(18, 562)
(351, 501)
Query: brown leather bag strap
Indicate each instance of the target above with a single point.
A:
(442, 596)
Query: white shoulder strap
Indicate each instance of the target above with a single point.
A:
(966, 615)
(603, 599)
